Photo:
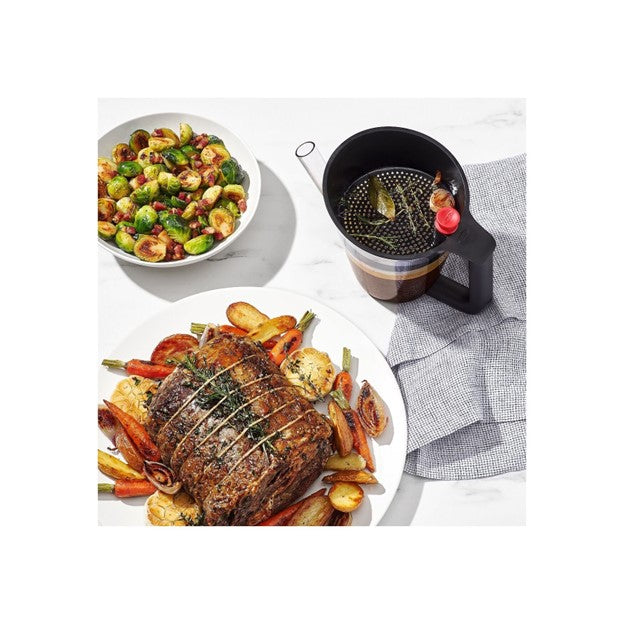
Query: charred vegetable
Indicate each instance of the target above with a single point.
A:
(139, 140)
(176, 227)
(186, 133)
(118, 187)
(150, 249)
(129, 168)
(199, 245)
(371, 410)
(124, 241)
(123, 152)
(106, 208)
(222, 221)
(106, 230)
(145, 219)
(161, 476)
(107, 169)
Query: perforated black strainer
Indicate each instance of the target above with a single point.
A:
(411, 232)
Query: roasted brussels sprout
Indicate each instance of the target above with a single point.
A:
(212, 194)
(175, 157)
(134, 183)
(145, 219)
(107, 169)
(150, 249)
(197, 195)
(106, 209)
(106, 230)
(186, 133)
(208, 155)
(126, 206)
(129, 168)
(235, 192)
(189, 150)
(232, 172)
(145, 193)
(102, 192)
(199, 245)
(124, 241)
(221, 153)
(189, 211)
(148, 156)
(209, 174)
(221, 220)
(139, 140)
(214, 140)
(176, 227)
(168, 133)
(169, 183)
(189, 180)
(122, 153)
(118, 187)
(159, 144)
(151, 172)
(228, 204)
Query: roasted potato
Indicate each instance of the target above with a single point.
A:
(371, 410)
(131, 395)
(343, 439)
(245, 316)
(352, 461)
(272, 327)
(346, 497)
(315, 511)
(350, 476)
(311, 371)
(172, 510)
(115, 468)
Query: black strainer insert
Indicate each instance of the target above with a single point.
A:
(411, 232)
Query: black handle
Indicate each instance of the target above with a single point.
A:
(476, 245)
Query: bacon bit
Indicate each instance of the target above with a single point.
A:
(158, 132)
(130, 230)
(218, 236)
(159, 206)
(208, 230)
(211, 179)
(182, 195)
(242, 205)
(203, 203)
(194, 225)
(157, 229)
(117, 217)
(141, 179)
(176, 211)
(199, 212)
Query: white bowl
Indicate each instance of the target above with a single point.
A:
(236, 147)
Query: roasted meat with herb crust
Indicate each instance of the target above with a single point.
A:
(241, 439)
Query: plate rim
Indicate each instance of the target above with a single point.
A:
(402, 416)
(252, 208)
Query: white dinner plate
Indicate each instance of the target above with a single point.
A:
(236, 147)
(329, 332)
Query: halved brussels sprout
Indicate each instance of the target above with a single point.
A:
(150, 249)
(146, 193)
(189, 211)
(107, 169)
(235, 192)
(176, 227)
(209, 175)
(212, 194)
(214, 139)
(186, 133)
(129, 168)
(228, 204)
(106, 209)
(148, 156)
(118, 187)
(222, 220)
(189, 180)
(124, 241)
(208, 155)
(159, 144)
(126, 206)
(151, 172)
(231, 171)
(175, 156)
(122, 153)
(139, 140)
(197, 195)
(169, 183)
(221, 153)
(168, 133)
(189, 150)
(145, 219)
(199, 245)
(102, 191)
(106, 230)
(134, 183)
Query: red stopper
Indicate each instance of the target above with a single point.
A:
(447, 220)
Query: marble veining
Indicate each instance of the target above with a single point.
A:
(292, 244)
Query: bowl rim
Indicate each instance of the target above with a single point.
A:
(252, 205)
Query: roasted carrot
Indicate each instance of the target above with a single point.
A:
(142, 368)
(229, 329)
(117, 435)
(285, 515)
(173, 348)
(360, 442)
(127, 488)
(136, 432)
(269, 344)
(343, 379)
(288, 343)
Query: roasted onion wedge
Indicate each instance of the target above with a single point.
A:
(315, 511)
(343, 439)
(161, 476)
(371, 410)
(350, 476)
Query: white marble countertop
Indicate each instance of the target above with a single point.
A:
(305, 255)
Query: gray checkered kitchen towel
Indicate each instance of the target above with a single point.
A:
(463, 376)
